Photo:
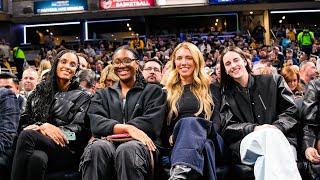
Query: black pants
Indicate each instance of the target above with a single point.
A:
(35, 154)
(104, 160)
(19, 65)
(307, 49)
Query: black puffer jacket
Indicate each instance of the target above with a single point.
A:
(270, 102)
(310, 114)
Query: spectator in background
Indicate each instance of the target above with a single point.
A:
(44, 75)
(44, 65)
(10, 81)
(280, 56)
(6, 64)
(49, 56)
(289, 56)
(307, 73)
(19, 59)
(87, 79)
(9, 121)
(218, 72)
(5, 48)
(90, 51)
(83, 59)
(165, 73)
(30, 79)
(291, 33)
(108, 78)
(306, 39)
(137, 44)
(152, 71)
(99, 67)
(255, 57)
(204, 45)
(292, 77)
(258, 33)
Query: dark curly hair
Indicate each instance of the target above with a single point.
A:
(40, 100)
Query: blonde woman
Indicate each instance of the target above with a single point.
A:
(108, 78)
(193, 108)
(44, 65)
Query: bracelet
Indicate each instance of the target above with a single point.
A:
(38, 123)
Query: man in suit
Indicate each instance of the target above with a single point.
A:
(9, 120)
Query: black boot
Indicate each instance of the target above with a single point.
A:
(179, 172)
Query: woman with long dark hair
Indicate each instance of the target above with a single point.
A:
(54, 133)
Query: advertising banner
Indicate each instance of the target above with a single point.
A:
(179, 2)
(232, 1)
(60, 6)
(124, 4)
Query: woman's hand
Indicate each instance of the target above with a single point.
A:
(54, 133)
(312, 155)
(139, 135)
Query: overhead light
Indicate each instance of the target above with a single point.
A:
(280, 21)
(77, 37)
(109, 20)
(315, 25)
(216, 24)
(47, 30)
(51, 33)
(295, 11)
(251, 12)
(86, 31)
(217, 20)
(57, 39)
(130, 28)
(128, 25)
(283, 17)
(52, 24)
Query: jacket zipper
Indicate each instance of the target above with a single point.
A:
(265, 108)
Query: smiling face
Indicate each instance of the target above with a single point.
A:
(125, 65)
(67, 66)
(29, 79)
(184, 64)
(83, 63)
(235, 66)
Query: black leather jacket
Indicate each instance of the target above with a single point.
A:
(67, 110)
(269, 101)
(310, 114)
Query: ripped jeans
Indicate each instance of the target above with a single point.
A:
(106, 160)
